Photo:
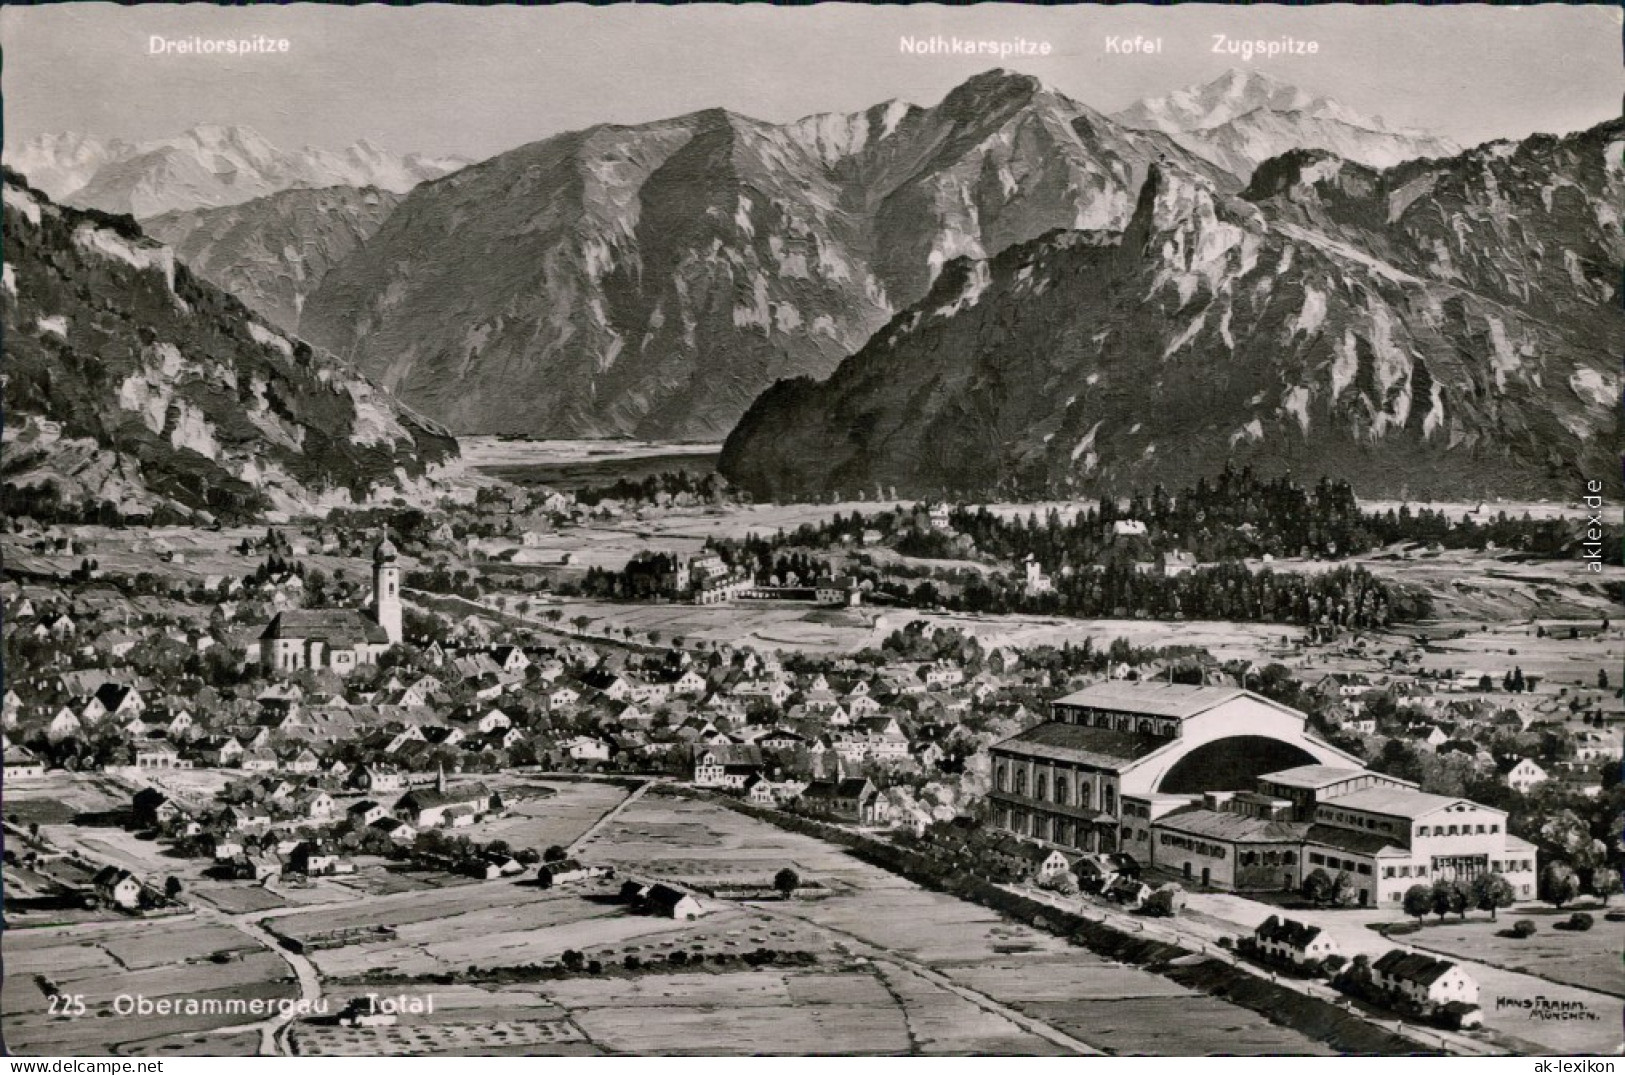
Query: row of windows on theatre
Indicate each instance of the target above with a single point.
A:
(1041, 790)
(1342, 817)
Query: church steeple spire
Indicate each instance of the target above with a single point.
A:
(386, 588)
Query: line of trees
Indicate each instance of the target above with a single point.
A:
(1485, 892)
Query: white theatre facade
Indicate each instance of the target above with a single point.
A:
(1230, 790)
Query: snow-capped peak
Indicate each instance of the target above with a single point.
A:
(1232, 95)
(210, 164)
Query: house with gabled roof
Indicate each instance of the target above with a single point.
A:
(441, 804)
(119, 887)
(854, 799)
(1286, 938)
(1424, 980)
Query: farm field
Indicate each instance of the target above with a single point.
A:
(1571, 957)
(1559, 660)
(191, 554)
(180, 958)
(910, 931)
(771, 626)
(894, 969)
(1488, 587)
(802, 629)
(569, 808)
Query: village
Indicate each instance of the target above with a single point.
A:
(258, 723)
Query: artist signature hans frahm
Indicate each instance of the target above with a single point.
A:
(1545, 1010)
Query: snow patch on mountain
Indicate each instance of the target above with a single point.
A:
(144, 256)
(1593, 386)
(265, 336)
(20, 201)
(1295, 402)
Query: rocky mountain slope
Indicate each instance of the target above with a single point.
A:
(1243, 118)
(654, 279)
(1443, 328)
(206, 166)
(274, 251)
(135, 388)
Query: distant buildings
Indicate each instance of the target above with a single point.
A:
(1520, 774)
(441, 805)
(662, 900)
(119, 888)
(1036, 581)
(854, 799)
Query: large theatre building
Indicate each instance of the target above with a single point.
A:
(1226, 789)
(1152, 744)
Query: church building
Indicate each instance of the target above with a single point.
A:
(339, 639)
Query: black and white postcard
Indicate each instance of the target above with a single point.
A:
(846, 530)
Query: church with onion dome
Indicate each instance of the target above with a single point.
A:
(339, 639)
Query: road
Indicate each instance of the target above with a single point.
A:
(610, 815)
(1349, 928)
(1201, 932)
(273, 1039)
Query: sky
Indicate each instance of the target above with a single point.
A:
(477, 81)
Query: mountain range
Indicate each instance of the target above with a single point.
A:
(652, 280)
(205, 167)
(272, 252)
(133, 387)
(1244, 117)
(1007, 290)
(1445, 327)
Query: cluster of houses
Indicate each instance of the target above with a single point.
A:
(271, 825)
(1523, 740)
(1415, 982)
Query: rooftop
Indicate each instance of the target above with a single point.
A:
(333, 626)
(1288, 931)
(1313, 776)
(1362, 842)
(1395, 802)
(1104, 747)
(1223, 825)
(1153, 698)
(1413, 966)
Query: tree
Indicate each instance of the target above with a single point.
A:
(1558, 883)
(1605, 882)
(1317, 886)
(1344, 893)
(1490, 892)
(1442, 895)
(555, 854)
(786, 881)
(1569, 837)
(1418, 901)
(1165, 902)
(573, 960)
(1065, 883)
(173, 887)
(1458, 901)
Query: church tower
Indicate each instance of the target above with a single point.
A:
(386, 589)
